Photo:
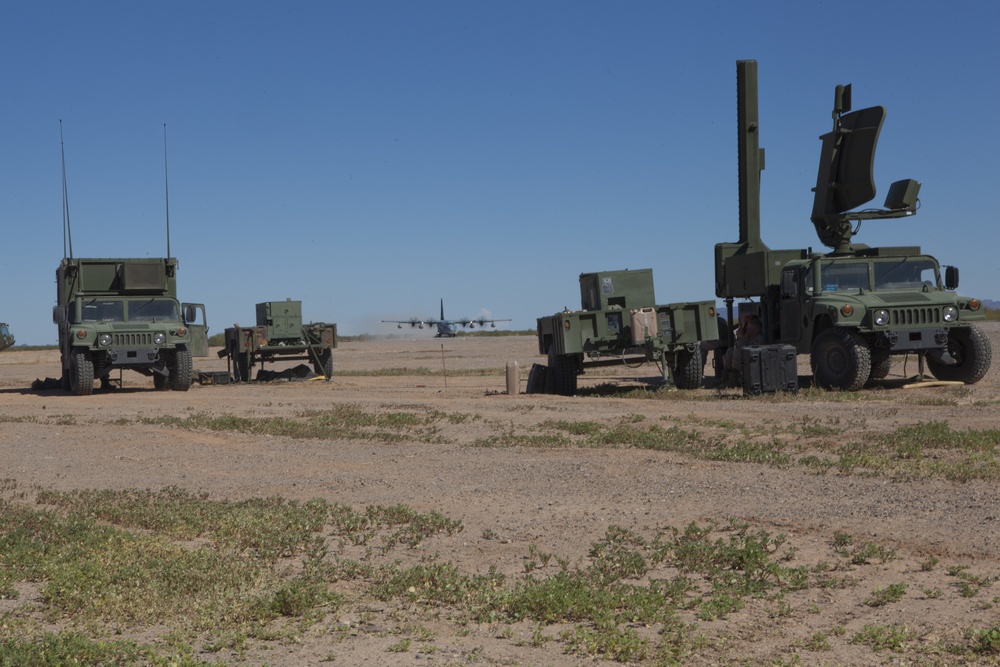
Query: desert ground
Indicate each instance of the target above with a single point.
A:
(899, 548)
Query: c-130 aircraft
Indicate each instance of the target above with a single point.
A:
(446, 328)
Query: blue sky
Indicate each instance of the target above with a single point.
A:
(369, 158)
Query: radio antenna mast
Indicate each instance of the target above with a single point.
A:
(166, 186)
(67, 232)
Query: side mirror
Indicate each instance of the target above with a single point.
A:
(189, 314)
(58, 314)
(951, 277)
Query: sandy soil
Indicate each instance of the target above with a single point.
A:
(559, 499)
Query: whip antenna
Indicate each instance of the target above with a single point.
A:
(166, 186)
(67, 232)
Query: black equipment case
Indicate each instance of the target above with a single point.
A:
(769, 368)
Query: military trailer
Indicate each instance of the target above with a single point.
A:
(855, 308)
(279, 334)
(123, 314)
(6, 338)
(619, 322)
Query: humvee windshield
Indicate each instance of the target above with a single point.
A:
(125, 310)
(907, 273)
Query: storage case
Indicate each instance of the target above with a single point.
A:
(769, 368)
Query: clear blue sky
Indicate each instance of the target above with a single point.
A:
(369, 158)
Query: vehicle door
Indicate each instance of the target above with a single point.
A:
(196, 321)
(790, 305)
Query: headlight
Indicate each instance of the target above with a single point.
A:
(881, 317)
(950, 313)
(159, 338)
(104, 340)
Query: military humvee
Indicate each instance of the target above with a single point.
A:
(6, 339)
(854, 308)
(120, 313)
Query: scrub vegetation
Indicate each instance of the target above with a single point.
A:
(214, 581)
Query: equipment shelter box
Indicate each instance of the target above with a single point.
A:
(769, 368)
(283, 319)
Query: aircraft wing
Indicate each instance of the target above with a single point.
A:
(418, 324)
(480, 321)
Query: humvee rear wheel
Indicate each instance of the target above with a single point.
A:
(81, 374)
(881, 365)
(688, 370)
(180, 370)
(562, 374)
(840, 359)
(971, 355)
(325, 365)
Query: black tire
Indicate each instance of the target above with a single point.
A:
(325, 365)
(840, 359)
(242, 367)
(562, 374)
(689, 369)
(180, 370)
(970, 349)
(81, 374)
(881, 365)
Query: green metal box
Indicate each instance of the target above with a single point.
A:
(606, 290)
(283, 319)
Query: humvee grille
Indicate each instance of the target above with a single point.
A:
(132, 339)
(911, 316)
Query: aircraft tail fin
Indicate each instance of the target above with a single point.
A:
(442, 308)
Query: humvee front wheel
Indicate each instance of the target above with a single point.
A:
(180, 370)
(81, 374)
(688, 370)
(840, 359)
(971, 354)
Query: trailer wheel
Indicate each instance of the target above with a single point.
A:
(881, 365)
(81, 373)
(689, 370)
(325, 367)
(562, 374)
(180, 370)
(840, 359)
(241, 364)
(970, 349)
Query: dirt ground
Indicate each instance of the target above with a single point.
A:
(560, 499)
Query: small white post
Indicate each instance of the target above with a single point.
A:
(513, 378)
